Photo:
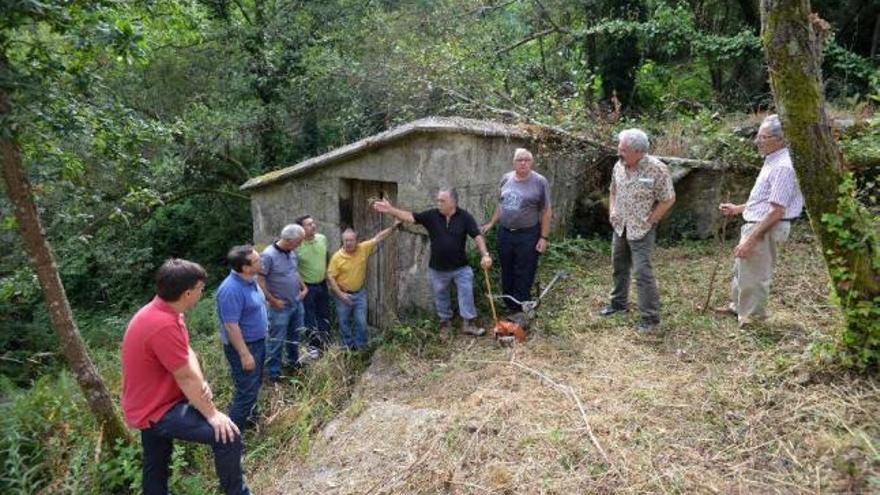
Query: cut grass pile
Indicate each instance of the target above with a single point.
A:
(589, 406)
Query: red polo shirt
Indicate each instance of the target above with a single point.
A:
(156, 343)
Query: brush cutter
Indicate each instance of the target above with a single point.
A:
(514, 327)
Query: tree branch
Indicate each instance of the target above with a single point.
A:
(243, 12)
(529, 38)
(529, 120)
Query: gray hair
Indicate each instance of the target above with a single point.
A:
(292, 232)
(522, 152)
(634, 139)
(453, 193)
(773, 125)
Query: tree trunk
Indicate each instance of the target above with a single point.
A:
(18, 189)
(793, 40)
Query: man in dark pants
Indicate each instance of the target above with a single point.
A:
(641, 193)
(164, 393)
(524, 213)
(448, 228)
(241, 309)
(313, 257)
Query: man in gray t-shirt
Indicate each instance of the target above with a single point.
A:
(284, 291)
(524, 214)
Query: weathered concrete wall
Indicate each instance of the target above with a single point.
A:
(695, 214)
(419, 166)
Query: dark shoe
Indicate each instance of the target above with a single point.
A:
(444, 329)
(648, 328)
(610, 310)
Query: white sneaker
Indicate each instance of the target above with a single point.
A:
(314, 353)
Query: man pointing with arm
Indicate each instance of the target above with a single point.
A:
(448, 227)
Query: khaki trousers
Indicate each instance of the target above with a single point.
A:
(750, 287)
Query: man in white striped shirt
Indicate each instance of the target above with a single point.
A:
(774, 202)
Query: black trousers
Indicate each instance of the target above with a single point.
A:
(519, 262)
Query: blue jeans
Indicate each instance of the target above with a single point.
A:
(284, 329)
(317, 314)
(353, 320)
(184, 422)
(246, 383)
(519, 262)
(464, 283)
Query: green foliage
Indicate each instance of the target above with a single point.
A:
(561, 252)
(50, 442)
(855, 237)
(861, 150)
(660, 86)
(849, 74)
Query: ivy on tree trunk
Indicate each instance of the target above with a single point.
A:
(793, 39)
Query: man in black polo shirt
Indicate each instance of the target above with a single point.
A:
(448, 227)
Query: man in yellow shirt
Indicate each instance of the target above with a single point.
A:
(346, 275)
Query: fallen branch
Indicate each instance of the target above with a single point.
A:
(529, 120)
(566, 390)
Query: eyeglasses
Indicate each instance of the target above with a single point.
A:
(759, 137)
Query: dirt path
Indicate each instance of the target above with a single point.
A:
(588, 406)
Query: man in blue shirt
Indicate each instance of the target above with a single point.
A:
(241, 309)
(280, 281)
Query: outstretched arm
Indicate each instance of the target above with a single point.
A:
(385, 206)
(386, 232)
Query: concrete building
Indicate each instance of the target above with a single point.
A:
(408, 165)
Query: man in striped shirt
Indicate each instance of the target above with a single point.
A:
(774, 202)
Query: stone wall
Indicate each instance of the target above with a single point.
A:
(419, 165)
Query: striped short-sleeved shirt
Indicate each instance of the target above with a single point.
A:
(777, 184)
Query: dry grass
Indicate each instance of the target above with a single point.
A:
(589, 406)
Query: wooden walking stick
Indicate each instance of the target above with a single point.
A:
(491, 300)
(721, 255)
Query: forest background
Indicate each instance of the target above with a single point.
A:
(138, 121)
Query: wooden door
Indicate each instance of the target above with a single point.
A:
(381, 281)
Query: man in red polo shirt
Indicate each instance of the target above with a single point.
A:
(164, 393)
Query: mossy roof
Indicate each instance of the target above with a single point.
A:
(458, 125)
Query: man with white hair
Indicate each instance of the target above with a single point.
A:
(524, 213)
(284, 291)
(641, 194)
(774, 202)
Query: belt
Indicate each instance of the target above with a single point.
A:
(523, 229)
(317, 283)
(792, 219)
(351, 291)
